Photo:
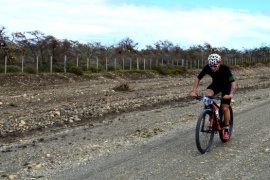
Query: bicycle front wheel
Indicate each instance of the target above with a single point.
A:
(204, 133)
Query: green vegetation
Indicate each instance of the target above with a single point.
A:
(94, 68)
(247, 64)
(30, 46)
(75, 70)
(10, 69)
(30, 69)
(167, 70)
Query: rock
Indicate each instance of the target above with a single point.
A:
(12, 177)
(56, 113)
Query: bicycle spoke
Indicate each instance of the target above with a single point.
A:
(204, 132)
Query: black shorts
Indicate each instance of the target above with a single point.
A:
(225, 90)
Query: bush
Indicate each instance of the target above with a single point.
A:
(112, 67)
(161, 69)
(176, 71)
(93, 68)
(169, 69)
(30, 69)
(58, 69)
(75, 70)
(10, 69)
(88, 72)
(247, 64)
(13, 69)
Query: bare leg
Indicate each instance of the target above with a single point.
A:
(209, 92)
(226, 112)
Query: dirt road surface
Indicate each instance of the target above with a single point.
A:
(89, 127)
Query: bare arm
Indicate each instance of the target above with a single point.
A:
(195, 87)
(233, 88)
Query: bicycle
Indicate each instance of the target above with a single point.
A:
(210, 122)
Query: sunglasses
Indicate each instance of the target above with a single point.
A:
(213, 66)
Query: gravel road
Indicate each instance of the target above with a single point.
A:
(55, 126)
(173, 155)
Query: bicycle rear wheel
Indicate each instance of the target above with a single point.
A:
(204, 133)
(230, 127)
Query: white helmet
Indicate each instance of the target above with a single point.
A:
(214, 59)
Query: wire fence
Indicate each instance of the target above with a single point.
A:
(112, 64)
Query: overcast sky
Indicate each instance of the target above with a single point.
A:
(234, 24)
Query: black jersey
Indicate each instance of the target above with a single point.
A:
(223, 77)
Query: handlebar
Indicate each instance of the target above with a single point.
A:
(211, 97)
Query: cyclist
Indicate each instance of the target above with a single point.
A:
(222, 81)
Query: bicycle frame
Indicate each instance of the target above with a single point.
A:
(217, 120)
(212, 106)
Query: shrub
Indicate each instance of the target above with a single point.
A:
(88, 72)
(75, 70)
(58, 69)
(13, 69)
(176, 71)
(161, 69)
(93, 68)
(10, 69)
(112, 67)
(169, 69)
(30, 69)
(246, 64)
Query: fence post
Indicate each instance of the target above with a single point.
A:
(137, 63)
(65, 64)
(123, 63)
(183, 63)
(97, 64)
(22, 63)
(5, 64)
(77, 61)
(150, 64)
(106, 65)
(87, 64)
(130, 64)
(51, 64)
(144, 64)
(37, 64)
(115, 64)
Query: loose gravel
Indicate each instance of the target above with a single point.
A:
(51, 121)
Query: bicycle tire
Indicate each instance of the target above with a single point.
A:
(203, 134)
(230, 127)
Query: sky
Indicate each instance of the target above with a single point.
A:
(234, 24)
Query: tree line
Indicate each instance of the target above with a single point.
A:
(49, 49)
